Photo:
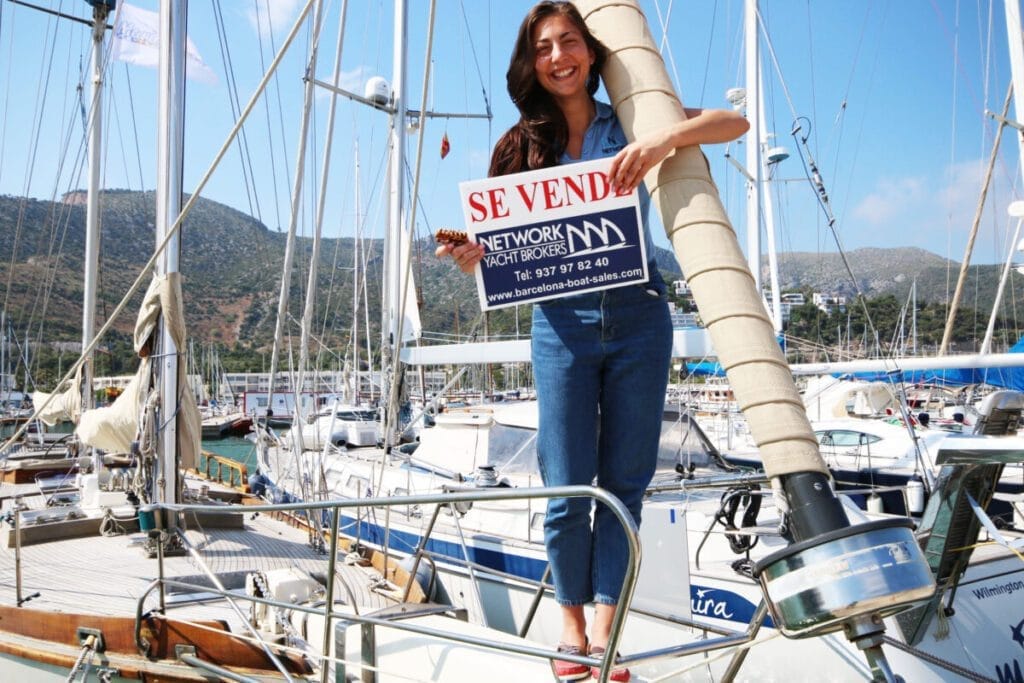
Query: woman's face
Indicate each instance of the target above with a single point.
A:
(562, 58)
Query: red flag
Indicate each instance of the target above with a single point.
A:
(445, 146)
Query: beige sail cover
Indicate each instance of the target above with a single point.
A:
(65, 403)
(705, 243)
(114, 427)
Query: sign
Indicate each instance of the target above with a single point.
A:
(553, 232)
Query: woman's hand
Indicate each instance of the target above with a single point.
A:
(701, 126)
(466, 255)
(634, 160)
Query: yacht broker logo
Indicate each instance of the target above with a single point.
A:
(553, 232)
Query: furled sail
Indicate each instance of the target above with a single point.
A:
(114, 427)
(705, 244)
(65, 404)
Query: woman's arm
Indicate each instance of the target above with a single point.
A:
(702, 126)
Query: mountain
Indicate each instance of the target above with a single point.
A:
(231, 265)
(890, 271)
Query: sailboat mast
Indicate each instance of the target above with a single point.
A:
(1016, 49)
(356, 270)
(100, 10)
(314, 258)
(393, 290)
(170, 143)
(753, 160)
(289, 248)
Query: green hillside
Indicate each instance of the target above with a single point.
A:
(232, 265)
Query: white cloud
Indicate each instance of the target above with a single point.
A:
(890, 199)
(276, 15)
(933, 212)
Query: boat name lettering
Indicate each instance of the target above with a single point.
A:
(710, 607)
(1010, 673)
(994, 591)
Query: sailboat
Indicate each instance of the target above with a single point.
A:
(699, 570)
(118, 541)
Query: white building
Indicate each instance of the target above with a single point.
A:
(829, 302)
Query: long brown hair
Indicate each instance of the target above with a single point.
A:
(541, 134)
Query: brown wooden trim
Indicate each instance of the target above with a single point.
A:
(27, 475)
(218, 647)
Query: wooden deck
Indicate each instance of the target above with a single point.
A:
(106, 575)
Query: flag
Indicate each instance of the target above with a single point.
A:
(445, 146)
(136, 41)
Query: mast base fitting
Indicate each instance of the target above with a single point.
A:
(832, 581)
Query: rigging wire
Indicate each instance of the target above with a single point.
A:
(245, 157)
(813, 175)
(7, 89)
(821, 196)
(266, 105)
(361, 255)
(707, 56)
(60, 212)
(476, 61)
(42, 88)
(175, 227)
(664, 20)
(135, 127)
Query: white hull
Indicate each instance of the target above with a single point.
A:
(507, 535)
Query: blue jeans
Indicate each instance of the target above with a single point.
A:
(600, 362)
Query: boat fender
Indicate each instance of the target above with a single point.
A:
(258, 484)
(915, 495)
(875, 503)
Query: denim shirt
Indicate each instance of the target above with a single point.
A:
(604, 138)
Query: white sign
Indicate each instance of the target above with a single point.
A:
(553, 232)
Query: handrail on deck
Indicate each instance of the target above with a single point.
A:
(233, 468)
(605, 663)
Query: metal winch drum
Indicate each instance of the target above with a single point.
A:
(813, 586)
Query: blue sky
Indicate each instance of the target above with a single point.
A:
(893, 92)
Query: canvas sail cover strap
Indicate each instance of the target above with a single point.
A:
(114, 427)
(705, 243)
(66, 403)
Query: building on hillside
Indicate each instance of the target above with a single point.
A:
(789, 301)
(682, 319)
(827, 303)
(680, 288)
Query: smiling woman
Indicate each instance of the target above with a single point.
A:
(600, 358)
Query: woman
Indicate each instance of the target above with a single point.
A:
(600, 359)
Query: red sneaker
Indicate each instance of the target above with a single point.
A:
(570, 671)
(620, 673)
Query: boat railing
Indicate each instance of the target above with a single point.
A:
(215, 466)
(369, 622)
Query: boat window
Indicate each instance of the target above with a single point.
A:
(537, 521)
(356, 415)
(846, 438)
(512, 449)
